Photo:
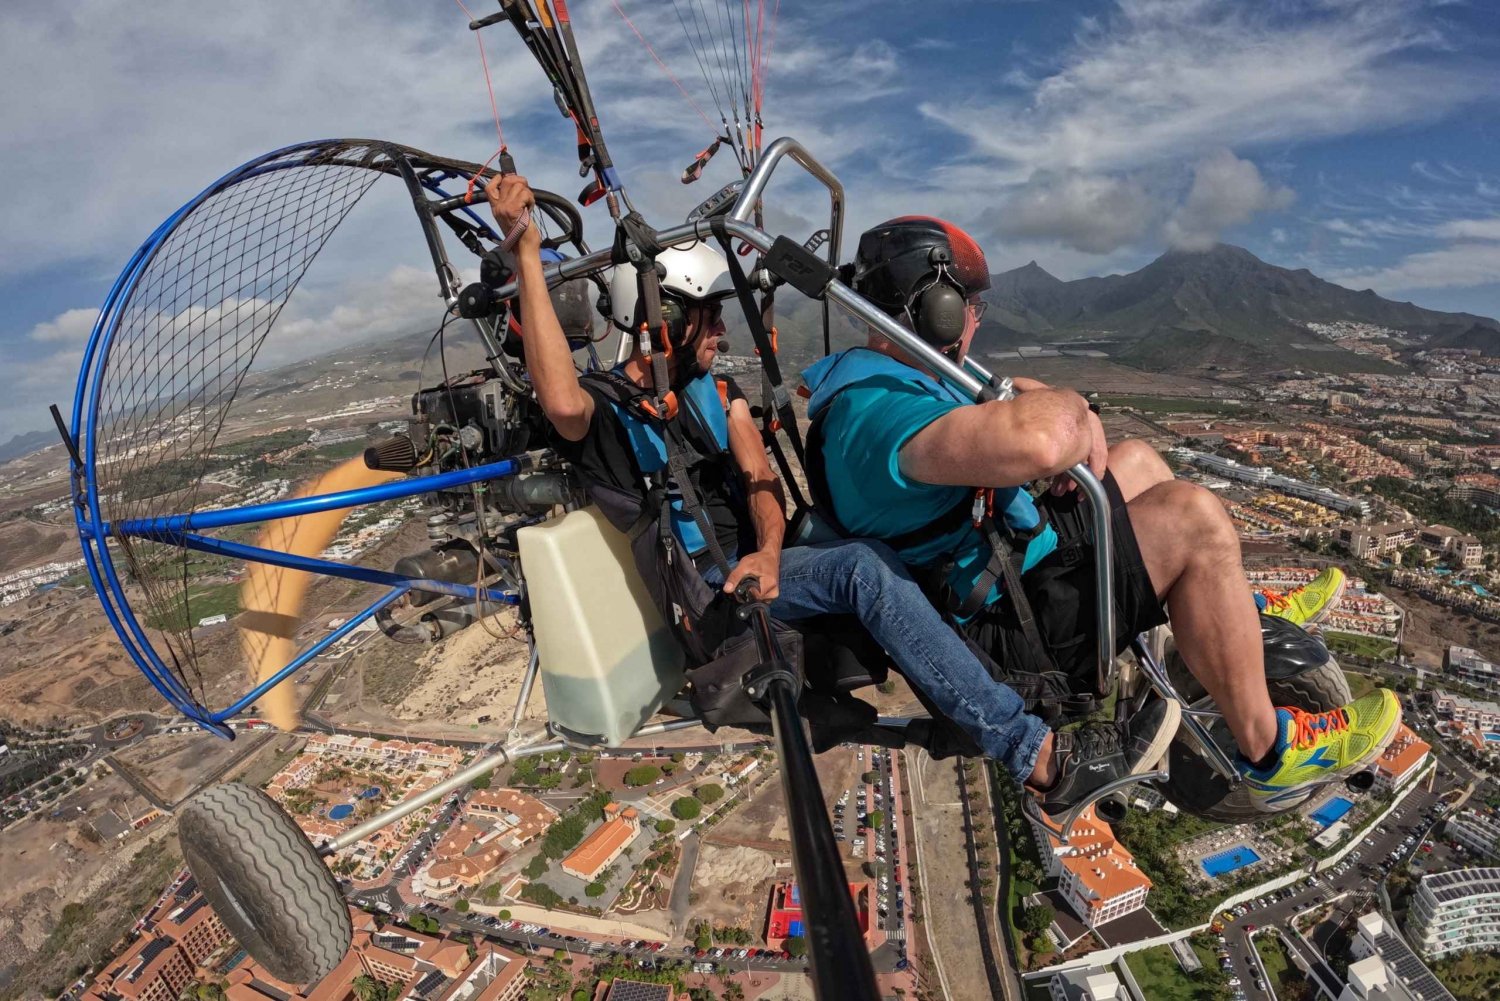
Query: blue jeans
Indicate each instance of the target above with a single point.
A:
(865, 578)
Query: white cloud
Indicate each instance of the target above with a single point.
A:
(1092, 213)
(1471, 229)
(1226, 191)
(1164, 80)
(1462, 265)
(70, 327)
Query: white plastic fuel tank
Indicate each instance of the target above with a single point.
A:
(608, 661)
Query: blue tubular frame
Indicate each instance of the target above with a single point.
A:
(94, 532)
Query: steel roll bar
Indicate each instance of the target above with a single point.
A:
(857, 306)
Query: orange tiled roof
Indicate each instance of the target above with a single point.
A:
(589, 857)
(1103, 865)
(1405, 750)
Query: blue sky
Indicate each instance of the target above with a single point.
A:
(1357, 138)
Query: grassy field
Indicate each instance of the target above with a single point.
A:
(1171, 405)
(202, 601)
(1359, 684)
(1161, 979)
(1362, 646)
(1281, 975)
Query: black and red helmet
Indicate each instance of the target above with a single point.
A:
(896, 259)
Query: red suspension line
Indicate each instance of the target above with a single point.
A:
(670, 75)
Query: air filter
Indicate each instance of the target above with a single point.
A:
(396, 455)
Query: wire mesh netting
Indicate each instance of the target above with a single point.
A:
(186, 336)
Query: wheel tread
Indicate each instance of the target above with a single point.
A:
(238, 835)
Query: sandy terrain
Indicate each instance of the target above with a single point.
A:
(25, 543)
(473, 674)
(731, 886)
(175, 763)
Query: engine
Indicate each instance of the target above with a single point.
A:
(473, 419)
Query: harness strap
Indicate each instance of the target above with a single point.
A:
(777, 400)
(627, 394)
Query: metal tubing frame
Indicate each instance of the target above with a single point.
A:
(1158, 678)
(175, 530)
(328, 568)
(1071, 815)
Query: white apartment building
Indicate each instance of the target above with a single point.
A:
(1468, 666)
(1383, 967)
(1480, 715)
(1477, 830)
(1095, 983)
(1456, 911)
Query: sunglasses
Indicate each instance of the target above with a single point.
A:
(709, 312)
(977, 307)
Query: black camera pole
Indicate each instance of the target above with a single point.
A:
(840, 959)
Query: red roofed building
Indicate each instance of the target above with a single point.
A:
(1402, 758)
(785, 918)
(604, 845)
(522, 818)
(154, 968)
(1096, 874)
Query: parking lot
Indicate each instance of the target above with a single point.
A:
(1353, 879)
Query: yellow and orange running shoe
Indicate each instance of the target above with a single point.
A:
(1315, 748)
(1305, 605)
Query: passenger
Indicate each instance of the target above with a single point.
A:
(743, 500)
(899, 449)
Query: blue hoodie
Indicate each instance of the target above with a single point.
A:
(875, 405)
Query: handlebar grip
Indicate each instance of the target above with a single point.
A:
(744, 587)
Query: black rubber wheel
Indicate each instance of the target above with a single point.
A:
(1198, 789)
(265, 881)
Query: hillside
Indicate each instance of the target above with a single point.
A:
(1222, 308)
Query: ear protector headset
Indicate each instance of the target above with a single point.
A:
(937, 309)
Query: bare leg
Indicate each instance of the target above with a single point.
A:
(1137, 467)
(1044, 772)
(1192, 554)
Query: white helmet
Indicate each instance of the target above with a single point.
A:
(695, 273)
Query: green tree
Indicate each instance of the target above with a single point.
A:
(710, 793)
(703, 939)
(367, 988)
(594, 889)
(686, 808)
(869, 778)
(1037, 919)
(642, 775)
(877, 819)
(678, 757)
(665, 826)
(581, 995)
(483, 781)
(536, 867)
(887, 686)
(461, 905)
(504, 915)
(796, 946)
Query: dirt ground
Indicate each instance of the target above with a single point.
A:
(1431, 629)
(732, 885)
(175, 763)
(949, 923)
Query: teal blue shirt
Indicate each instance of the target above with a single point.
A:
(875, 405)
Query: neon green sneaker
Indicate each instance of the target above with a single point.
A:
(1316, 748)
(1306, 605)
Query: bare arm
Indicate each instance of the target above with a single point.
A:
(1003, 443)
(548, 358)
(767, 504)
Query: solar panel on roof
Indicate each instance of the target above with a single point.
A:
(429, 984)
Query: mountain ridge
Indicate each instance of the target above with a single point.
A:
(1219, 308)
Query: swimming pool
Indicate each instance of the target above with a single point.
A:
(340, 812)
(1229, 860)
(1492, 736)
(1332, 810)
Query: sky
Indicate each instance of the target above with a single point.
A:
(1355, 138)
